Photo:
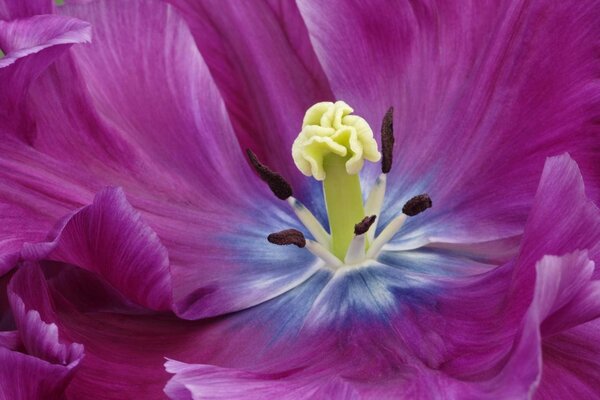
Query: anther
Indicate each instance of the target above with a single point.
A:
(364, 225)
(387, 140)
(278, 185)
(356, 250)
(417, 205)
(414, 206)
(288, 236)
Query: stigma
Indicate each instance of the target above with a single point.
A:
(329, 129)
(332, 147)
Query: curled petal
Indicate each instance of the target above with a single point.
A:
(31, 45)
(110, 238)
(192, 382)
(562, 220)
(48, 362)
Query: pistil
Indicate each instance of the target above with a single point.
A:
(344, 202)
(332, 147)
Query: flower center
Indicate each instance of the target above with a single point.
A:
(332, 148)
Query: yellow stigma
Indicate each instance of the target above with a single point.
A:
(329, 129)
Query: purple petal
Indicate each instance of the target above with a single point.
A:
(31, 45)
(159, 97)
(220, 259)
(266, 70)
(124, 344)
(13, 9)
(170, 161)
(10, 340)
(24, 377)
(562, 221)
(482, 93)
(210, 382)
(558, 280)
(110, 238)
(498, 301)
(47, 366)
(571, 364)
(36, 192)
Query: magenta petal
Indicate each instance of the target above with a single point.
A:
(210, 382)
(9, 339)
(191, 382)
(25, 378)
(36, 191)
(571, 364)
(31, 45)
(583, 307)
(558, 280)
(159, 97)
(110, 238)
(34, 318)
(264, 65)
(562, 220)
(47, 366)
(13, 9)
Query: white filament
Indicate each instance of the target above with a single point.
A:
(386, 235)
(356, 250)
(310, 222)
(374, 203)
(318, 250)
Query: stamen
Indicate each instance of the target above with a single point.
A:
(374, 203)
(278, 185)
(387, 140)
(310, 222)
(288, 236)
(386, 235)
(414, 206)
(364, 225)
(417, 205)
(324, 254)
(295, 237)
(332, 147)
(356, 250)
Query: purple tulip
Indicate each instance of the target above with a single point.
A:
(134, 260)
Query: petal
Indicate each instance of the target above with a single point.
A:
(9, 340)
(209, 382)
(180, 164)
(31, 45)
(571, 364)
(110, 238)
(482, 93)
(47, 367)
(550, 229)
(13, 9)
(35, 191)
(558, 280)
(127, 346)
(266, 70)
(562, 220)
(24, 377)
(85, 116)
(34, 317)
(220, 259)
(158, 96)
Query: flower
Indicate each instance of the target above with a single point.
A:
(134, 229)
